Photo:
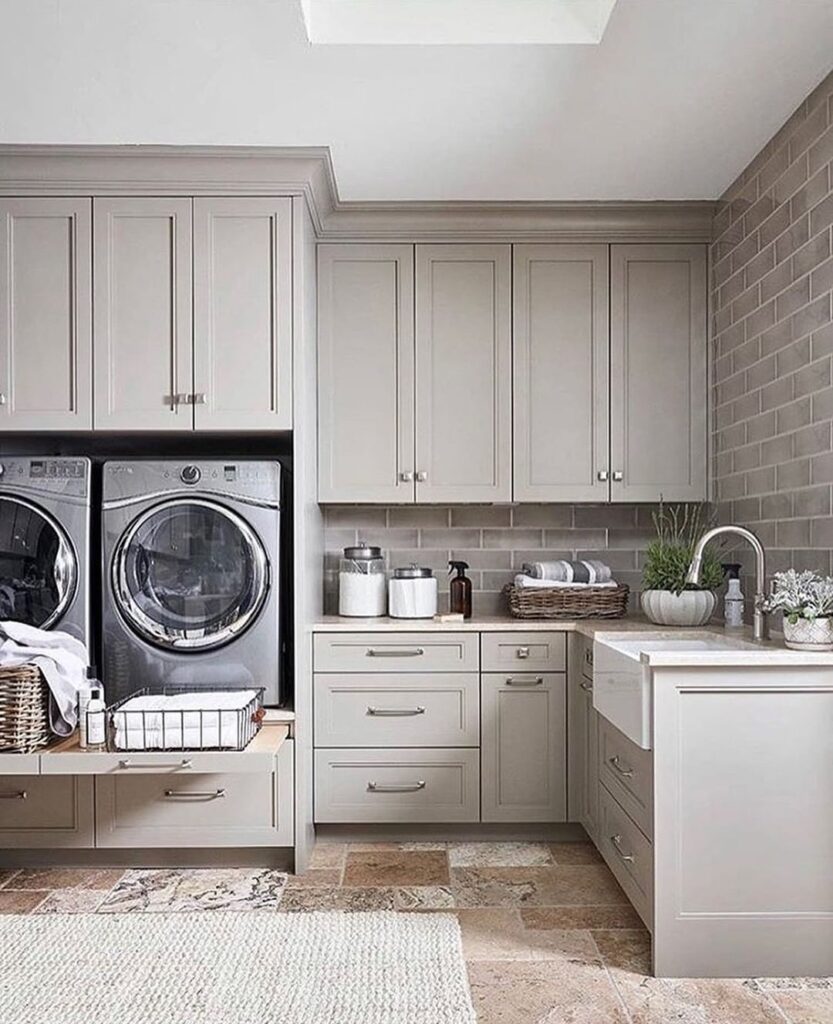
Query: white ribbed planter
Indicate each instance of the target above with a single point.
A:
(809, 634)
(691, 608)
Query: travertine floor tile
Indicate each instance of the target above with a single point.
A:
(6, 877)
(694, 1000)
(628, 950)
(575, 853)
(425, 897)
(517, 992)
(805, 1005)
(498, 855)
(68, 878)
(396, 867)
(326, 897)
(177, 891)
(574, 885)
(314, 876)
(328, 855)
(618, 916)
(71, 901)
(495, 933)
(14, 901)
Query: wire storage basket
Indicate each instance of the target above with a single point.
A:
(24, 710)
(185, 718)
(568, 602)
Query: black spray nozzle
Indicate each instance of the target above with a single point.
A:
(731, 570)
(459, 566)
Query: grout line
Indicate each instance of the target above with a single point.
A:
(610, 978)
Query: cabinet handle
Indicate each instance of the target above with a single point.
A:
(603, 476)
(403, 787)
(618, 475)
(20, 795)
(587, 687)
(395, 712)
(403, 652)
(179, 398)
(199, 398)
(2, 398)
(515, 681)
(155, 766)
(617, 765)
(406, 477)
(521, 652)
(421, 477)
(616, 840)
(185, 794)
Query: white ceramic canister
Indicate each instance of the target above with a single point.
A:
(412, 593)
(362, 584)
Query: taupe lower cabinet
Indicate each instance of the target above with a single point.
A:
(583, 729)
(45, 314)
(224, 262)
(415, 368)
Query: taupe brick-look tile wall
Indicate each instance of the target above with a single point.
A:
(495, 540)
(772, 337)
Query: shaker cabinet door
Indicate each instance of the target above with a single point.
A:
(463, 373)
(658, 372)
(561, 423)
(142, 314)
(366, 373)
(45, 314)
(243, 314)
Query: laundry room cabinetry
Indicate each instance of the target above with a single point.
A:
(193, 313)
(45, 314)
(415, 369)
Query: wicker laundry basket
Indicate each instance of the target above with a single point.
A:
(568, 602)
(24, 710)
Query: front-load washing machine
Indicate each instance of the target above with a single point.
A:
(45, 543)
(190, 589)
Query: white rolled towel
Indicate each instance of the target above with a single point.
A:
(562, 571)
(528, 583)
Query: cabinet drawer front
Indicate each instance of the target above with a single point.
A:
(396, 652)
(523, 652)
(397, 785)
(628, 853)
(628, 773)
(153, 810)
(386, 710)
(40, 812)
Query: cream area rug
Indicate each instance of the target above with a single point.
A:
(233, 968)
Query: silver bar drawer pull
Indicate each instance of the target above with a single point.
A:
(393, 652)
(618, 766)
(402, 787)
(628, 858)
(155, 765)
(184, 794)
(396, 712)
(517, 681)
(20, 795)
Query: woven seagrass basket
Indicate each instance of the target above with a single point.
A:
(567, 602)
(24, 710)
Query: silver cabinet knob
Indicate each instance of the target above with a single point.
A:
(618, 475)
(406, 478)
(602, 475)
(2, 398)
(522, 652)
(422, 477)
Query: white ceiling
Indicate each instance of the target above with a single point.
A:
(672, 104)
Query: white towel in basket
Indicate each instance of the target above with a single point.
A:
(187, 721)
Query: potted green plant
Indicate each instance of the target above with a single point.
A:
(667, 599)
(806, 599)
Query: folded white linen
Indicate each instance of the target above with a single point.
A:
(563, 571)
(527, 582)
(183, 720)
(61, 658)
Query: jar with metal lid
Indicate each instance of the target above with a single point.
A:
(412, 593)
(362, 584)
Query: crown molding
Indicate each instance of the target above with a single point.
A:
(308, 171)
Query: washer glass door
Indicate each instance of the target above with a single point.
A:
(38, 568)
(190, 574)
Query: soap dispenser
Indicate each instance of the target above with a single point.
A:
(733, 602)
(459, 601)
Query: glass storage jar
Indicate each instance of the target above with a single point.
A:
(362, 584)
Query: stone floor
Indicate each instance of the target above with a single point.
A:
(548, 935)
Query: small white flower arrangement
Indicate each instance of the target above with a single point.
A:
(806, 599)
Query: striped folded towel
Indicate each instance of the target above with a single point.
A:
(563, 571)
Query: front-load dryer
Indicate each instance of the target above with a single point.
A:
(45, 543)
(190, 589)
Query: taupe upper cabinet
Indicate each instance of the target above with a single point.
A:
(463, 373)
(142, 303)
(366, 373)
(658, 372)
(45, 314)
(242, 314)
(561, 388)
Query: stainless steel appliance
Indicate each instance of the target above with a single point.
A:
(190, 588)
(45, 543)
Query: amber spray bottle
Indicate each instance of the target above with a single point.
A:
(459, 600)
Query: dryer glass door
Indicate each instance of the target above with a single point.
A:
(190, 574)
(38, 568)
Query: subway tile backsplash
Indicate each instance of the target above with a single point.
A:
(494, 539)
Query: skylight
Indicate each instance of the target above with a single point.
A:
(456, 22)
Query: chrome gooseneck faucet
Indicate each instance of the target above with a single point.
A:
(759, 623)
